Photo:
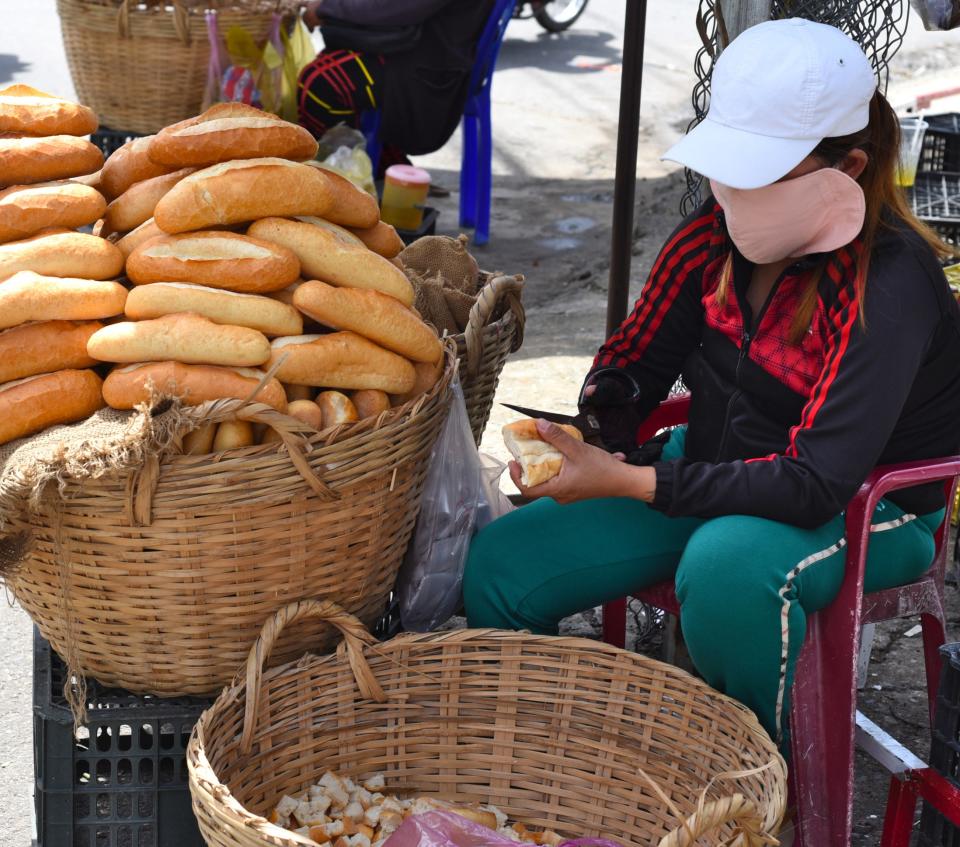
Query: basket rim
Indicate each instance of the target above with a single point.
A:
(208, 788)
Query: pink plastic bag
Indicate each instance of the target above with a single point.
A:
(446, 829)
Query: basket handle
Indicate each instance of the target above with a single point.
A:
(490, 295)
(181, 20)
(355, 638)
(735, 809)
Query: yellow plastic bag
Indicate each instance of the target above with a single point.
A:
(298, 52)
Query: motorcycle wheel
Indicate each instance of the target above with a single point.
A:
(558, 15)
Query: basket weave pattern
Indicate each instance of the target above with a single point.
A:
(158, 582)
(142, 66)
(562, 733)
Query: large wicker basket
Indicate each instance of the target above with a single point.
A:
(143, 65)
(158, 581)
(565, 733)
(484, 346)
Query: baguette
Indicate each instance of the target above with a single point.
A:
(370, 403)
(132, 385)
(129, 165)
(27, 296)
(135, 206)
(187, 338)
(28, 406)
(217, 259)
(352, 205)
(427, 376)
(141, 235)
(25, 109)
(373, 315)
(265, 314)
(232, 435)
(28, 160)
(235, 192)
(382, 238)
(39, 348)
(333, 255)
(336, 408)
(299, 392)
(199, 442)
(25, 210)
(539, 460)
(58, 252)
(229, 131)
(340, 360)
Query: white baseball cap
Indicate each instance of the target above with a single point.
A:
(778, 90)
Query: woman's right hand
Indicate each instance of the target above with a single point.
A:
(311, 15)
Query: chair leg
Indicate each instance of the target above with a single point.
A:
(615, 622)
(822, 730)
(468, 172)
(485, 171)
(934, 637)
(898, 817)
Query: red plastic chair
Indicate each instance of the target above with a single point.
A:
(822, 717)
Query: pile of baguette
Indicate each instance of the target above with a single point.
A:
(343, 813)
(227, 253)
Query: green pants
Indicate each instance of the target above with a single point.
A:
(745, 584)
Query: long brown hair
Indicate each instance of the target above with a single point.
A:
(886, 205)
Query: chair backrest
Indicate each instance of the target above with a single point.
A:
(488, 47)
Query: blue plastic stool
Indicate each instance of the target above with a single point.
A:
(476, 162)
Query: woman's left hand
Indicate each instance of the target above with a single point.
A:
(587, 473)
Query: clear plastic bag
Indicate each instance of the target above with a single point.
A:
(446, 829)
(461, 495)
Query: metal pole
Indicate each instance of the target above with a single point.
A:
(743, 14)
(625, 181)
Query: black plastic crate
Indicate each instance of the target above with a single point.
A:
(941, 143)
(935, 830)
(120, 780)
(935, 199)
(111, 140)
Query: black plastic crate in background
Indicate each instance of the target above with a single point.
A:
(111, 140)
(941, 143)
(120, 780)
(935, 830)
(935, 199)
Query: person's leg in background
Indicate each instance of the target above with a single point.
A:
(337, 87)
(746, 586)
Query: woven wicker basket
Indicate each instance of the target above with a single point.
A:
(158, 582)
(485, 345)
(143, 65)
(565, 733)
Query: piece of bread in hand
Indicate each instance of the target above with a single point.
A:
(539, 460)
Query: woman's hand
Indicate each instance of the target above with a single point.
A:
(588, 472)
(311, 15)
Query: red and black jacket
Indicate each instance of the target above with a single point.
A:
(789, 431)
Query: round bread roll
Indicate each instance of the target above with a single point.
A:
(299, 392)
(29, 406)
(27, 209)
(336, 408)
(232, 435)
(352, 205)
(129, 165)
(27, 296)
(427, 376)
(373, 315)
(229, 131)
(245, 190)
(187, 338)
(28, 160)
(216, 259)
(199, 442)
(130, 386)
(25, 109)
(141, 235)
(303, 410)
(136, 204)
(331, 254)
(61, 253)
(39, 348)
(340, 360)
(265, 314)
(370, 403)
(381, 238)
